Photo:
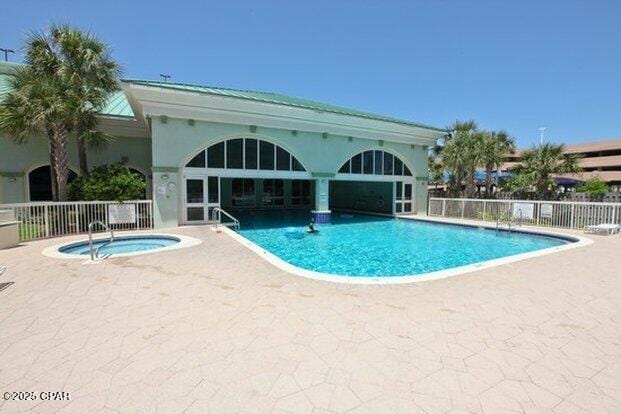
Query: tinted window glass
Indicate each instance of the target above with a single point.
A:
(297, 165)
(368, 162)
(196, 213)
(398, 166)
(198, 161)
(194, 191)
(406, 170)
(215, 156)
(213, 190)
(234, 153)
(266, 158)
(356, 164)
(283, 160)
(378, 163)
(251, 154)
(345, 168)
(387, 164)
(408, 191)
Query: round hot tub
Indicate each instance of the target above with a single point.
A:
(122, 245)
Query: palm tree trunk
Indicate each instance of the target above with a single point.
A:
(82, 154)
(488, 182)
(53, 185)
(61, 160)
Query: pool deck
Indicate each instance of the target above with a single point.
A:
(215, 328)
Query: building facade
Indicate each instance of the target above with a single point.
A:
(598, 158)
(203, 147)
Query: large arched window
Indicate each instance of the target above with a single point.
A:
(40, 183)
(246, 154)
(375, 163)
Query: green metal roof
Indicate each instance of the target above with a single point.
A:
(117, 105)
(275, 98)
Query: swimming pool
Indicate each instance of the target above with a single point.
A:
(372, 246)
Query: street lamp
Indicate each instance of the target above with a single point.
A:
(541, 130)
(6, 53)
(165, 77)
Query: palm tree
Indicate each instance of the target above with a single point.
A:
(40, 103)
(494, 147)
(436, 169)
(68, 77)
(92, 74)
(461, 156)
(539, 164)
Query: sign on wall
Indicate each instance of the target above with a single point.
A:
(523, 211)
(121, 213)
(546, 211)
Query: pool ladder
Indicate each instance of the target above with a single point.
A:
(216, 217)
(510, 223)
(95, 252)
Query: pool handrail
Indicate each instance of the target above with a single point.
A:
(94, 254)
(217, 221)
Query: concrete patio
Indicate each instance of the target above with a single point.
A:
(215, 328)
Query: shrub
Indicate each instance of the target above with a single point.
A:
(595, 187)
(114, 182)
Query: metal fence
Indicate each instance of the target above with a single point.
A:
(39, 220)
(561, 214)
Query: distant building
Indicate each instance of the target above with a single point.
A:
(599, 158)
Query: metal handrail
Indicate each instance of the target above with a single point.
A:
(220, 211)
(95, 254)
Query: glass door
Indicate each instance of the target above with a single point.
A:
(403, 197)
(201, 196)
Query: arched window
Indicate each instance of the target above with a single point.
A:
(40, 183)
(375, 163)
(246, 154)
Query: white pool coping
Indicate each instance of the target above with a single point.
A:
(184, 241)
(422, 277)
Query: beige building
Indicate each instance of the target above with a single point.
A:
(598, 158)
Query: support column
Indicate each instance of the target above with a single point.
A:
(321, 214)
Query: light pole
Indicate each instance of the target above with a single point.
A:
(541, 130)
(165, 77)
(6, 53)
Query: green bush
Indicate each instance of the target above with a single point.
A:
(595, 187)
(114, 182)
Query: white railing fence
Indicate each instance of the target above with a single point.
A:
(40, 220)
(562, 214)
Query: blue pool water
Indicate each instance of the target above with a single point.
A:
(121, 245)
(362, 245)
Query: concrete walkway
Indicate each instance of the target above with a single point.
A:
(214, 328)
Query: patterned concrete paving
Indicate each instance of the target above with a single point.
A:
(214, 328)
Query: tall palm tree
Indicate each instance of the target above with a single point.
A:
(436, 169)
(67, 80)
(461, 156)
(40, 103)
(92, 74)
(539, 164)
(494, 147)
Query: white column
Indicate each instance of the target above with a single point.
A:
(321, 214)
(322, 195)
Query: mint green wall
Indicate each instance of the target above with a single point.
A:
(16, 160)
(176, 141)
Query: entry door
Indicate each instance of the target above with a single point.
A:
(403, 197)
(201, 196)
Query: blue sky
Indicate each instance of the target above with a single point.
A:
(515, 65)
